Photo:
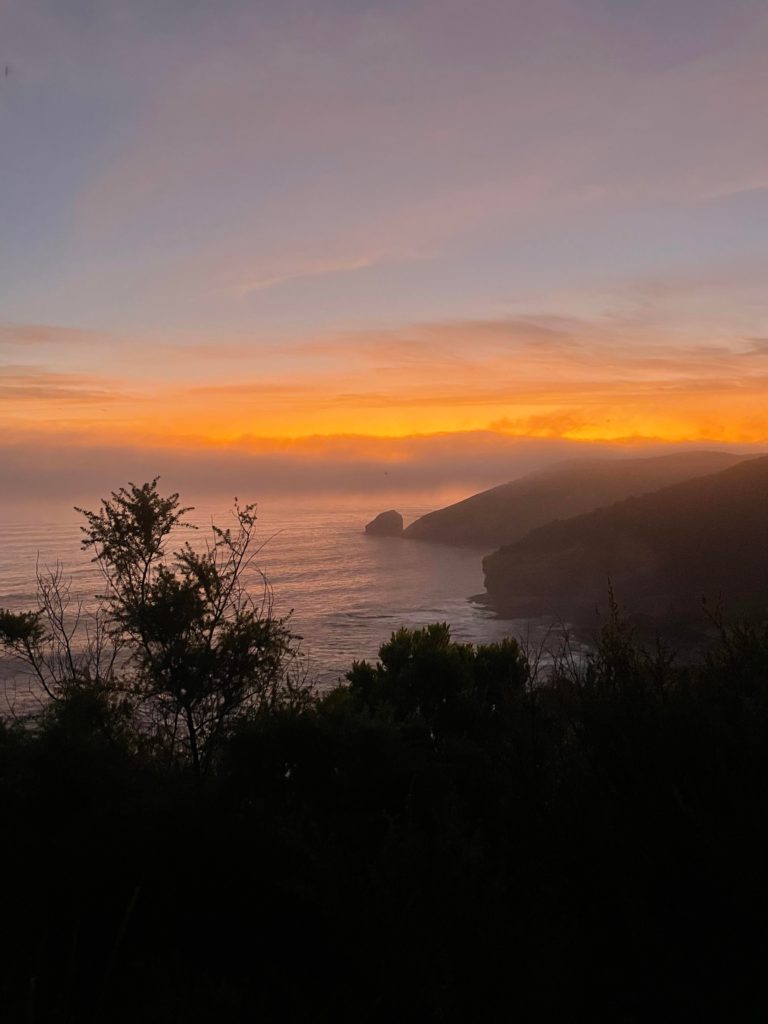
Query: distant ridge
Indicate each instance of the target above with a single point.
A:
(662, 552)
(504, 514)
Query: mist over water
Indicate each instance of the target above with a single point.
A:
(345, 591)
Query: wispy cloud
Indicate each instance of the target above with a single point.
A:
(302, 272)
(43, 388)
(22, 335)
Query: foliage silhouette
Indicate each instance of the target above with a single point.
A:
(177, 639)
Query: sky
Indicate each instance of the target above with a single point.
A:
(346, 235)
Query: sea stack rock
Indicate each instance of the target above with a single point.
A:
(386, 524)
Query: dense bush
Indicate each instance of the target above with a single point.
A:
(442, 838)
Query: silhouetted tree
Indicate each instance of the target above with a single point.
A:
(190, 644)
(66, 646)
(423, 675)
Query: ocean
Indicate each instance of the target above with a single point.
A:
(344, 592)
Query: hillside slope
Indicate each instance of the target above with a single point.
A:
(505, 514)
(662, 552)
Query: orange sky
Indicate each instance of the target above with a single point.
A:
(537, 377)
(531, 218)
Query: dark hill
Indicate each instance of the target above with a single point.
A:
(505, 514)
(662, 552)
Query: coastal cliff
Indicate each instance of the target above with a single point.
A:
(661, 553)
(505, 514)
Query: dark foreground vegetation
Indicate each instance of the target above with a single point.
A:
(456, 834)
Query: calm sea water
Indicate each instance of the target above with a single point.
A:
(345, 591)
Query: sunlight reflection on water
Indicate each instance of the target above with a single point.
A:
(345, 591)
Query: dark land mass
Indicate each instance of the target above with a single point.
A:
(661, 553)
(505, 514)
(386, 524)
(455, 833)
